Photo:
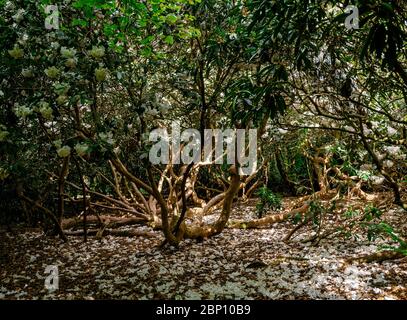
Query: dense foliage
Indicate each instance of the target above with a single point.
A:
(78, 102)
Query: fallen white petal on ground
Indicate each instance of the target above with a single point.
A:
(217, 268)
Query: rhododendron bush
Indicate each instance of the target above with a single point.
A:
(84, 83)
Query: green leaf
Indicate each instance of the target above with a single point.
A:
(169, 40)
(79, 22)
(109, 30)
(146, 52)
(147, 40)
(171, 19)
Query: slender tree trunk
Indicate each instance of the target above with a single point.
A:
(61, 188)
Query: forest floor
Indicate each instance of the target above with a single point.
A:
(237, 264)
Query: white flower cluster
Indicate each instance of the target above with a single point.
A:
(61, 88)
(22, 111)
(27, 73)
(62, 99)
(9, 6)
(107, 137)
(16, 52)
(97, 52)
(101, 74)
(52, 72)
(45, 110)
(19, 16)
(69, 55)
(22, 40)
(64, 151)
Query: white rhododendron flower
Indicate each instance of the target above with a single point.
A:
(97, 52)
(9, 6)
(64, 151)
(62, 99)
(61, 88)
(19, 16)
(45, 110)
(43, 104)
(81, 149)
(46, 113)
(27, 73)
(16, 52)
(23, 39)
(100, 74)
(22, 111)
(71, 62)
(52, 72)
(55, 45)
(68, 53)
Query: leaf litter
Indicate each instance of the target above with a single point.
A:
(237, 264)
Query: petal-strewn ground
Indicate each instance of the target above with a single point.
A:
(238, 264)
